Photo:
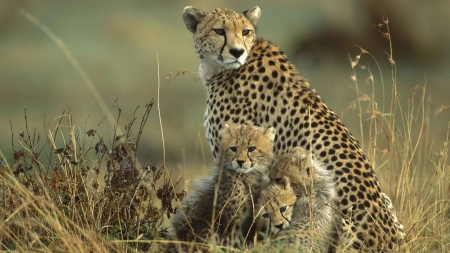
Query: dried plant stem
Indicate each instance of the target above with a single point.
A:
(159, 112)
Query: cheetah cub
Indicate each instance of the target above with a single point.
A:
(274, 207)
(219, 207)
(315, 223)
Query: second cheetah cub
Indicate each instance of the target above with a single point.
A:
(220, 207)
(275, 207)
(315, 221)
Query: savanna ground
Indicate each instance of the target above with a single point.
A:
(90, 183)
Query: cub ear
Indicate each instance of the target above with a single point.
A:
(192, 16)
(253, 14)
(270, 133)
(225, 129)
(297, 155)
(284, 181)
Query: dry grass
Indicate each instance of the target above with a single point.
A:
(413, 169)
(53, 197)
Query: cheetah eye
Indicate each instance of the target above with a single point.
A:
(251, 149)
(234, 149)
(283, 209)
(219, 31)
(265, 216)
(246, 32)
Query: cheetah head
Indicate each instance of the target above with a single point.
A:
(222, 37)
(276, 206)
(246, 148)
(298, 166)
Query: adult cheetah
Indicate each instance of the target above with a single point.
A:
(221, 205)
(250, 81)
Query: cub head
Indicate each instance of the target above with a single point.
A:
(307, 175)
(222, 36)
(290, 165)
(275, 205)
(244, 148)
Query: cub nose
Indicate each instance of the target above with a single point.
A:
(236, 52)
(240, 162)
(279, 226)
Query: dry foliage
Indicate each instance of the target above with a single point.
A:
(54, 199)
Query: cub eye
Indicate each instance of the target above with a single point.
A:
(234, 149)
(251, 149)
(219, 31)
(266, 215)
(283, 209)
(246, 32)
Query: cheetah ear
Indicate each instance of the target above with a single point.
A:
(270, 133)
(253, 14)
(223, 130)
(192, 16)
(284, 181)
(298, 154)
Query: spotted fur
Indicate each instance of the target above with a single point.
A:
(266, 90)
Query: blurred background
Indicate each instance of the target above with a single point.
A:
(117, 42)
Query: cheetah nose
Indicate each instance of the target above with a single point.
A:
(236, 52)
(279, 226)
(240, 162)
